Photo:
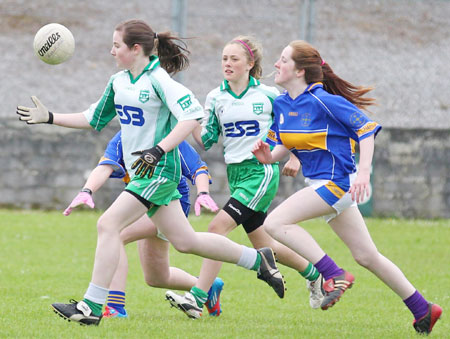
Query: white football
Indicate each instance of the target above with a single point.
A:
(54, 44)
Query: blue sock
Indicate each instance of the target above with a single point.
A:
(417, 305)
(328, 268)
(116, 299)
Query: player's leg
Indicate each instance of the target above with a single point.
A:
(286, 256)
(125, 210)
(154, 257)
(281, 224)
(222, 224)
(115, 306)
(351, 228)
(214, 246)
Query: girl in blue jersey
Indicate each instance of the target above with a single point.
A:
(319, 120)
(153, 246)
(155, 113)
(240, 111)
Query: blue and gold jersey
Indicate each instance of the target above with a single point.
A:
(191, 164)
(321, 129)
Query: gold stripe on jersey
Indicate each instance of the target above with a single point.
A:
(335, 189)
(304, 140)
(369, 127)
(353, 145)
(272, 136)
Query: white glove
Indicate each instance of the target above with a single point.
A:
(38, 115)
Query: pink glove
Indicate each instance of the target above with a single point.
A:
(203, 199)
(83, 198)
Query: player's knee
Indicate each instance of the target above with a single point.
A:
(106, 227)
(215, 227)
(102, 226)
(366, 258)
(183, 246)
(271, 226)
(155, 281)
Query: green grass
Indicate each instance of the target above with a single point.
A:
(46, 258)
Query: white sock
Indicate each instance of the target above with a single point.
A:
(96, 294)
(248, 257)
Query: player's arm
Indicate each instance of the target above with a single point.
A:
(197, 134)
(178, 134)
(149, 158)
(41, 115)
(96, 179)
(262, 152)
(361, 184)
(203, 197)
(291, 167)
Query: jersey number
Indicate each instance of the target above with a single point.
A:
(130, 115)
(241, 128)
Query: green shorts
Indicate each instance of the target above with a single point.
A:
(153, 192)
(253, 184)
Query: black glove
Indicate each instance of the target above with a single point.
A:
(147, 161)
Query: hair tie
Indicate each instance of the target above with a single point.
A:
(323, 62)
(156, 35)
(248, 48)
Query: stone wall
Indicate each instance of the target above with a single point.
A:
(411, 174)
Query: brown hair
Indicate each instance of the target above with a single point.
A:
(317, 70)
(253, 51)
(171, 50)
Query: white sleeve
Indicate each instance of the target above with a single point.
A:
(179, 99)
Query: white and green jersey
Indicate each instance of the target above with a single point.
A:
(241, 120)
(148, 108)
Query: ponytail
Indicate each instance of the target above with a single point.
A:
(171, 50)
(317, 70)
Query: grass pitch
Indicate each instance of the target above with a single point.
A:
(47, 258)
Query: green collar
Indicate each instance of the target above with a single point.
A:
(225, 86)
(154, 62)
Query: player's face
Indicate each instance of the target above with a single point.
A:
(285, 67)
(120, 51)
(235, 64)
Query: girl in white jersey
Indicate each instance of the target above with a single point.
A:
(319, 120)
(156, 113)
(240, 110)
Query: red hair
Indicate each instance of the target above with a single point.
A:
(316, 69)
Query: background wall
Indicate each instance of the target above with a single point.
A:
(400, 47)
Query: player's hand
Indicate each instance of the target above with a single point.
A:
(37, 115)
(205, 200)
(361, 186)
(292, 166)
(147, 161)
(261, 150)
(82, 198)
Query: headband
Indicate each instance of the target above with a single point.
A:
(323, 62)
(248, 48)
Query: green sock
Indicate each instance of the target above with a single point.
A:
(96, 308)
(310, 273)
(257, 262)
(199, 295)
